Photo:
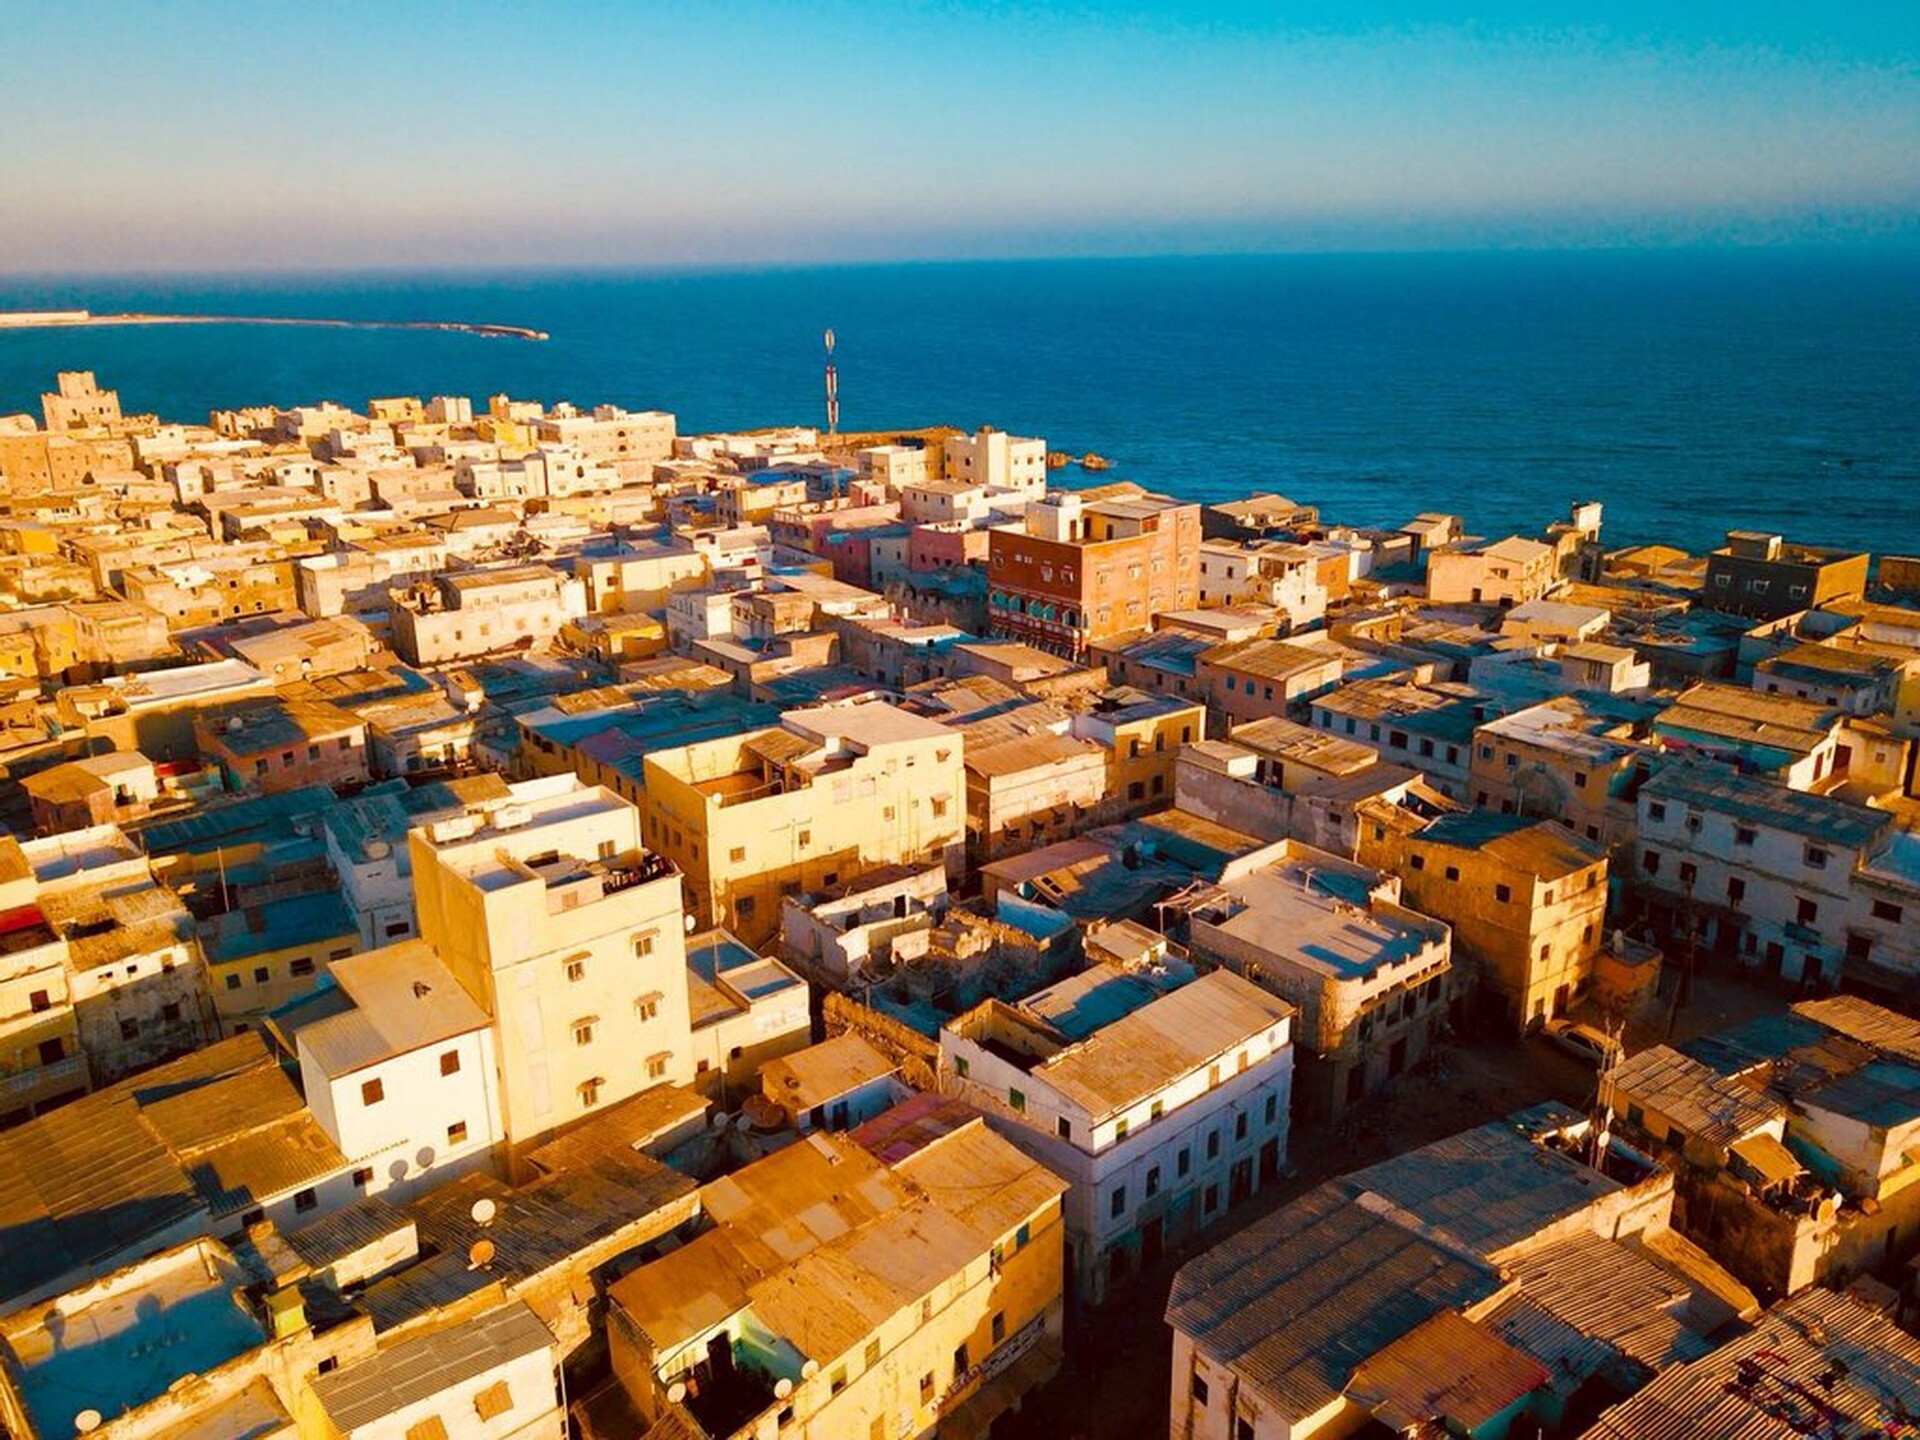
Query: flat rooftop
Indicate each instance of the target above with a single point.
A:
(122, 1343)
(1320, 919)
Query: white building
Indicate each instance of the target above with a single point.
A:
(1161, 1110)
(999, 461)
(397, 1062)
(571, 934)
(1757, 869)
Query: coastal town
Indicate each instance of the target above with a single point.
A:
(518, 921)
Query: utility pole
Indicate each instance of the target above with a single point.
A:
(833, 394)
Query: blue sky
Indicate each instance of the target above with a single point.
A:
(205, 134)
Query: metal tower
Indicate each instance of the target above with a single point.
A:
(833, 393)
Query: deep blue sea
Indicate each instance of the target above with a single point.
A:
(1691, 391)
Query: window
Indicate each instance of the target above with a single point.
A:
(302, 965)
(1199, 1388)
(1183, 1162)
(457, 1133)
(1240, 1126)
(837, 1381)
(590, 1094)
(1816, 857)
(372, 1092)
(1886, 910)
(647, 1006)
(1807, 912)
(643, 946)
(1418, 862)
(939, 806)
(362, 1177)
(999, 1329)
(1502, 894)
(1689, 872)
(170, 1010)
(431, 1428)
(656, 1067)
(1153, 1181)
(962, 1362)
(583, 1032)
(129, 1029)
(737, 854)
(1064, 1127)
(1117, 1202)
(233, 980)
(1579, 779)
(40, 1000)
(1656, 810)
(1273, 1108)
(496, 1399)
(1650, 862)
(576, 971)
(1744, 835)
(1453, 872)
(1017, 1099)
(872, 1356)
(261, 974)
(743, 907)
(1119, 1129)
(1210, 1200)
(450, 1062)
(926, 1388)
(305, 1200)
(1213, 1145)
(1736, 889)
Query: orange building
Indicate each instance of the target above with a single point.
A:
(1092, 566)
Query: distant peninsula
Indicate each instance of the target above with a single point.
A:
(49, 319)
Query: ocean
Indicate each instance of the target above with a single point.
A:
(1690, 391)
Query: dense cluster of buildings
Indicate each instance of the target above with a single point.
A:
(520, 921)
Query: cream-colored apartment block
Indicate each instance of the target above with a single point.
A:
(554, 916)
(807, 804)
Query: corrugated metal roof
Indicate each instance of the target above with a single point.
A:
(1819, 1364)
(1296, 1300)
(421, 1368)
(1445, 1368)
(1697, 1099)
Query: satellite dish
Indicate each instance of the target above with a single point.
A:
(676, 1392)
(690, 923)
(483, 1211)
(86, 1422)
(810, 1369)
(481, 1253)
(782, 1388)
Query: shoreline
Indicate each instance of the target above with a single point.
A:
(74, 319)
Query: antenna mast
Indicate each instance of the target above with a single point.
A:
(833, 394)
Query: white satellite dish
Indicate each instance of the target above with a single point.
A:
(481, 1253)
(810, 1369)
(86, 1422)
(782, 1388)
(676, 1392)
(483, 1211)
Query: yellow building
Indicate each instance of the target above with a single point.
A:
(261, 956)
(921, 1293)
(1527, 899)
(1142, 734)
(564, 928)
(808, 804)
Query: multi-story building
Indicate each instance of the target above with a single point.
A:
(610, 433)
(267, 746)
(1092, 566)
(262, 955)
(41, 1064)
(1161, 1103)
(942, 1263)
(1760, 871)
(999, 461)
(478, 611)
(1555, 761)
(805, 805)
(397, 1064)
(1508, 572)
(1371, 979)
(1759, 574)
(1427, 727)
(1527, 899)
(558, 921)
(1142, 735)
